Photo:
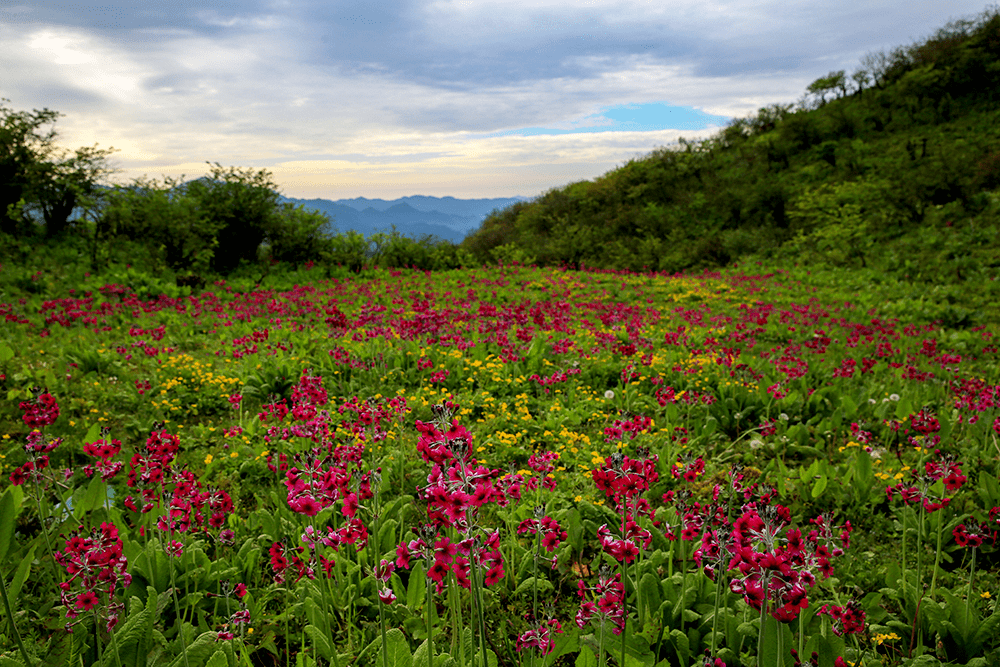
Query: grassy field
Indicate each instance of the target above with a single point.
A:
(503, 465)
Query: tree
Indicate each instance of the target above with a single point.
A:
(243, 205)
(824, 84)
(23, 140)
(162, 218)
(39, 180)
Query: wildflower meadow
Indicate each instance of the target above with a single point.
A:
(496, 466)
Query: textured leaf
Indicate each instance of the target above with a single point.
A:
(320, 641)
(93, 433)
(416, 589)
(20, 576)
(586, 658)
(218, 659)
(396, 650)
(681, 645)
(6, 522)
(130, 639)
(198, 651)
(819, 487)
(649, 591)
(987, 630)
(527, 586)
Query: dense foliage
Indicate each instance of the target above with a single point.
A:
(898, 168)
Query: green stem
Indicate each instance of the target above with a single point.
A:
(177, 608)
(13, 627)
(381, 623)
(324, 589)
(600, 644)
(781, 636)
(760, 632)
(920, 534)
(430, 629)
(937, 556)
(683, 580)
(480, 615)
(968, 598)
(42, 516)
(534, 573)
(802, 633)
(902, 564)
(715, 612)
(97, 636)
(114, 645)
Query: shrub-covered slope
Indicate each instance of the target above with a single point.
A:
(897, 164)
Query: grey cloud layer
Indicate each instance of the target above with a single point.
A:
(418, 84)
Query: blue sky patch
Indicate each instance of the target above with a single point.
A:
(633, 118)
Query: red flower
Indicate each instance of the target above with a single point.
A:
(87, 600)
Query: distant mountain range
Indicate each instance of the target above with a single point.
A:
(444, 217)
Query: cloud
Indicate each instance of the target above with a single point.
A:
(431, 94)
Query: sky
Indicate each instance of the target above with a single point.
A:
(388, 98)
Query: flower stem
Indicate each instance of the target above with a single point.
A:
(430, 629)
(968, 598)
(13, 627)
(937, 556)
(177, 608)
(760, 632)
(715, 612)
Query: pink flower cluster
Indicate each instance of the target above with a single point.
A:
(442, 556)
(552, 533)
(97, 569)
(40, 412)
(38, 447)
(103, 450)
(604, 602)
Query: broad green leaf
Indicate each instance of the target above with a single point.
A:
(6, 522)
(320, 641)
(198, 651)
(903, 408)
(218, 659)
(396, 650)
(681, 645)
(528, 585)
(819, 487)
(649, 591)
(417, 587)
(987, 630)
(585, 658)
(6, 353)
(93, 433)
(20, 576)
(96, 494)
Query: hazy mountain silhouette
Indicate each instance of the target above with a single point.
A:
(415, 216)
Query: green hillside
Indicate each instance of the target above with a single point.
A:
(894, 166)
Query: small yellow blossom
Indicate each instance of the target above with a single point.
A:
(233, 455)
(208, 459)
(985, 595)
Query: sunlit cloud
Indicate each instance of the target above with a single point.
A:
(460, 97)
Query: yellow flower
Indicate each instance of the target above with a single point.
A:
(233, 455)
(208, 459)
(985, 595)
